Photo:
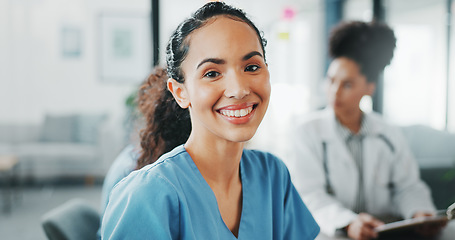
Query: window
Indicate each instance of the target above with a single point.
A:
(415, 82)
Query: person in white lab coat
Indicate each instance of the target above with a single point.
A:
(352, 168)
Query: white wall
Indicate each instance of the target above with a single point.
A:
(35, 79)
(263, 13)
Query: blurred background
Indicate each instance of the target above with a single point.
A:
(69, 70)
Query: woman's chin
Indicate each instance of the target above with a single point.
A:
(240, 137)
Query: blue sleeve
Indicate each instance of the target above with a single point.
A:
(298, 221)
(141, 208)
(123, 164)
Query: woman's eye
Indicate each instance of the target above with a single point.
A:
(347, 85)
(252, 68)
(212, 74)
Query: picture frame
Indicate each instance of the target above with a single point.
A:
(125, 52)
(71, 41)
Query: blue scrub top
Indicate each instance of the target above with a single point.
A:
(171, 200)
(123, 165)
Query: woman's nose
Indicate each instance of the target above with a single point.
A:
(237, 87)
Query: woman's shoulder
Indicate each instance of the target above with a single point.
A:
(161, 174)
(263, 156)
(139, 187)
(149, 194)
(263, 162)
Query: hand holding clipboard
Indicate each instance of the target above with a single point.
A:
(406, 224)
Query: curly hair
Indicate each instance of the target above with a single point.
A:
(167, 125)
(370, 45)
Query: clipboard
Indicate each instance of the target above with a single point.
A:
(407, 224)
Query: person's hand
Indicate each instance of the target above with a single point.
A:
(430, 229)
(362, 228)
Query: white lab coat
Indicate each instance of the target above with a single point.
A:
(391, 176)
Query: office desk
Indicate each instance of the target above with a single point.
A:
(448, 233)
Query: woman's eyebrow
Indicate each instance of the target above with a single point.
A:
(212, 60)
(251, 54)
(221, 61)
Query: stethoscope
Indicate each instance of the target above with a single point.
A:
(328, 187)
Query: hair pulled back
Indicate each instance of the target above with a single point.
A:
(370, 45)
(178, 45)
(167, 124)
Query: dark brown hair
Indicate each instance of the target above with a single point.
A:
(178, 47)
(167, 125)
(370, 45)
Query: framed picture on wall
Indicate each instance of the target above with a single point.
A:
(125, 45)
(71, 41)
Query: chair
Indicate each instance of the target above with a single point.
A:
(73, 220)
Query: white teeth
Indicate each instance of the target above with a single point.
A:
(237, 113)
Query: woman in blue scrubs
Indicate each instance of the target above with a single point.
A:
(210, 187)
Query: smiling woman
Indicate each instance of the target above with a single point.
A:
(210, 187)
(220, 77)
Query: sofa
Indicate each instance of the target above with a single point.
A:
(62, 146)
(434, 151)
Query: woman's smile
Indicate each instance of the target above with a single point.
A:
(238, 114)
(226, 88)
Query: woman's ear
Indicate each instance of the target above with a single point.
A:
(179, 92)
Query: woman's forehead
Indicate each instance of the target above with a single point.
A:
(222, 33)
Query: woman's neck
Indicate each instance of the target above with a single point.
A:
(218, 161)
(352, 121)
